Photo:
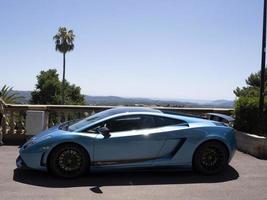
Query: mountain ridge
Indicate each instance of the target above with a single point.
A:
(141, 101)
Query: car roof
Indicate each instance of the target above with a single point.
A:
(122, 111)
(119, 110)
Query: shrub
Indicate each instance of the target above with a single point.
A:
(247, 104)
(246, 113)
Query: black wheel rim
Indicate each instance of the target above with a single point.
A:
(212, 158)
(69, 161)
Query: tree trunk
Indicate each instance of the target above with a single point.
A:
(63, 82)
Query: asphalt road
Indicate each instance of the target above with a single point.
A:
(245, 179)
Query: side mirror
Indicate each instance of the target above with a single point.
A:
(104, 131)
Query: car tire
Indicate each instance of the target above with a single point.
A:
(69, 161)
(210, 158)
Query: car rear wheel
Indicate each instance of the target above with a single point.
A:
(69, 161)
(210, 158)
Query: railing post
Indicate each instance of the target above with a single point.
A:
(93, 112)
(2, 120)
(46, 120)
(66, 116)
(19, 125)
(12, 122)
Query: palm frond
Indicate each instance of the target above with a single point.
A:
(64, 40)
(9, 96)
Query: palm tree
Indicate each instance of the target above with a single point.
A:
(64, 42)
(9, 96)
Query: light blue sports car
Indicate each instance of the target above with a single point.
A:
(130, 138)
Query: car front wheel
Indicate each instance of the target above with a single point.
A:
(68, 161)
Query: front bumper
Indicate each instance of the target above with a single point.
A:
(20, 163)
(27, 160)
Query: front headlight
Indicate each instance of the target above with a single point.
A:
(29, 143)
(34, 140)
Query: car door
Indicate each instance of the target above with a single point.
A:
(133, 138)
(175, 135)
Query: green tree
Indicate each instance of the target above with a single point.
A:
(9, 96)
(253, 86)
(47, 90)
(64, 43)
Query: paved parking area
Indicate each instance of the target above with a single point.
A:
(246, 178)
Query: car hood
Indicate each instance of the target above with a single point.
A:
(50, 131)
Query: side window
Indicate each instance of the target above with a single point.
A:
(125, 123)
(164, 121)
(148, 122)
(134, 122)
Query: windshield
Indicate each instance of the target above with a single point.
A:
(101, 115)
(89, 120)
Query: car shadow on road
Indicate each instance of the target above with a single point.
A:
(96, 180)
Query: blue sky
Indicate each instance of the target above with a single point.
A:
(171, 49)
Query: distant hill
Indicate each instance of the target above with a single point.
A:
(222, 103)
(115, 100)
(25, 94)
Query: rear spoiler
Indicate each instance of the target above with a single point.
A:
(221, 116)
